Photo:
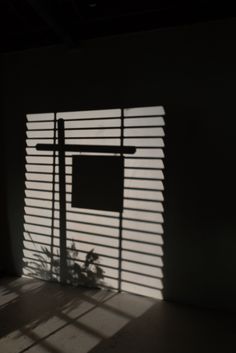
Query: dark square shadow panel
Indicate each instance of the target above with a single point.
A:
(97, 182)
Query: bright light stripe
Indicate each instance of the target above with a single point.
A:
(158, 110)
(86, 114)
(144, 121)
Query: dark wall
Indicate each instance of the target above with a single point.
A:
(191, 71)
(6, 260)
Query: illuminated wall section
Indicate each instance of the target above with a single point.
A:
(127, 244)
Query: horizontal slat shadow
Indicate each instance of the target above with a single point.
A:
(144, 269)
(131, 216)
(47, 174)
(101, 255)
(141, 195)
(155, 238)
(128, 277)
(39, 202)
(37, 185)
(132, 248)
(34, 269)
(128, 224)
(156, 241)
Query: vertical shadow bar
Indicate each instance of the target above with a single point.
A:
(121, 213)
(53, 192)
(62, 198)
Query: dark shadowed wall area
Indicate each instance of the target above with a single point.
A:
(191, 71)
(6, 260)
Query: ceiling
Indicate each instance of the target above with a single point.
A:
(26, 24)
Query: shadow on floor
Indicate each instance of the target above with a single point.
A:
(171, 328)
(37, 316)
(40, 317)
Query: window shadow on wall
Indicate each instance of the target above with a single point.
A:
(118, 250)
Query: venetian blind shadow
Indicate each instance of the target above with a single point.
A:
(99, 229)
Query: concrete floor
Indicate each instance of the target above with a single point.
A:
(40, 317)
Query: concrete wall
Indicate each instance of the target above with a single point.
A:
(191, 72)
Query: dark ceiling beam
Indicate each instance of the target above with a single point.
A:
(50, 21)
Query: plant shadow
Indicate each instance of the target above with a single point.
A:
(87, 273)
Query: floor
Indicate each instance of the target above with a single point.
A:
(40, 317)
